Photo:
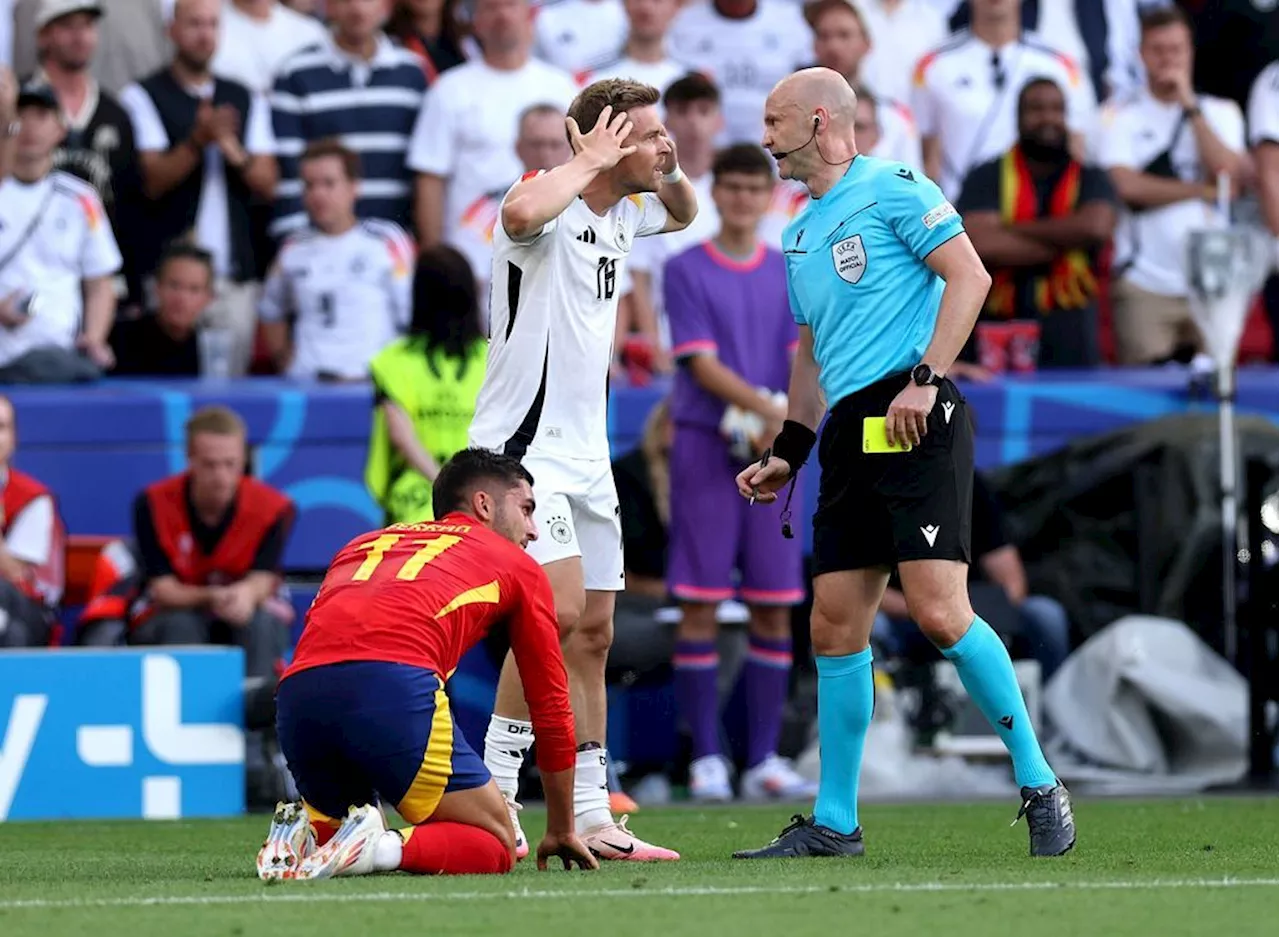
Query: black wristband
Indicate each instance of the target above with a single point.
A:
(794, 444)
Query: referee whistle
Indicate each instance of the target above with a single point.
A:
(764, 460)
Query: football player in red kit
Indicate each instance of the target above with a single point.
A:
(362, 712)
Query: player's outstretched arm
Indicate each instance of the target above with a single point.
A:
(536, 200)
(677, 194)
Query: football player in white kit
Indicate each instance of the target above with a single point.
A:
(562, 237)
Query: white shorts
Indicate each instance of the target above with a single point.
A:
(578, 515)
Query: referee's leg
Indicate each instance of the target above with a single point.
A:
(930, 506)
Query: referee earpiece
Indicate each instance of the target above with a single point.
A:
(816, 120)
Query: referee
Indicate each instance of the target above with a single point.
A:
(885, 287)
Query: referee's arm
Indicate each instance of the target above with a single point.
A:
(804, 394)
(967, 282)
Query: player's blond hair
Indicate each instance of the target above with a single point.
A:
(214, 421)
(621, 94)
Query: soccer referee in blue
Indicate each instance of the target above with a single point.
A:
(886, 287)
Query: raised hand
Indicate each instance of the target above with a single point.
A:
(604, 143)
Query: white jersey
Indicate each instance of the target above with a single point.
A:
(1151, 244)
(553, 310)
(350, 293)
(579, 35)
(744, 57)
(55, 235)
(966, 94)
(1264, 106)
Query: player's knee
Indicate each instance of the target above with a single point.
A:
(593, 638)
(942, 622)
(833, 630)
(568, 616)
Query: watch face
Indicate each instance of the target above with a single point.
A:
(922, 374)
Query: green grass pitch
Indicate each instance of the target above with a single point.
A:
(1160, 868)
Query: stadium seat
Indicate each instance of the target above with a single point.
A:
(82, 553)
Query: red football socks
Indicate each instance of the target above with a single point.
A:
(453, 849)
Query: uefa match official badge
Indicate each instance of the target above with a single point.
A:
(850, 258)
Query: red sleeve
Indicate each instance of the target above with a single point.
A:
(535, 641)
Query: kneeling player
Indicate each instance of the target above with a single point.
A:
(363, 716)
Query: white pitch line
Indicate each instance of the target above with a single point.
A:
(304, 894)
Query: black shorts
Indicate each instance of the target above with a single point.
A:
(887, 508)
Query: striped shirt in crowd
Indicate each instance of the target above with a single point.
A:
(323, 92)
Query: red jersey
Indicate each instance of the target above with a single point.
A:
(425, 594)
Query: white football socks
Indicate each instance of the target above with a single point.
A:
(387, 852)
(591, 790)
(505, 744)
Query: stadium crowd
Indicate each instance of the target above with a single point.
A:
(246, 187)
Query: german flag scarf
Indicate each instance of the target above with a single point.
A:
(1070, 283)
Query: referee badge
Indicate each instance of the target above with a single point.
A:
(850, 258)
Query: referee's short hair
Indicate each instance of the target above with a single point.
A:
(745, 159)
(470, 470)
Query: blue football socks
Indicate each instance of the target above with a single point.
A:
(846, 694)
(987, 673)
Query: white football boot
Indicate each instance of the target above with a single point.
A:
(290, 840)
(352, 849)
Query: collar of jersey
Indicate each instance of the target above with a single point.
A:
(850, 176)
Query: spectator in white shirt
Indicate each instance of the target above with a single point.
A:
(256, 36)
(32, 543)
(644, 58)
(900, 31)
(1264, 133)
(203, 162)
(57, 295)
(579, 35)
(346, 283)
(840, 42)
(746, 47)
(464, 141)
(1165, 148)
(966, 90)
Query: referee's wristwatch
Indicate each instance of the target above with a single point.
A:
(923, 375)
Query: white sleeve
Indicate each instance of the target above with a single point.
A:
(274, 304)
(148, 131)
(30, 536)
(1264, 112)
(547, 228)
(1227, 122)
(99, 254)
(259, 139)
(432, 146)
(644, 255)
(1115, 141)
(653, 215)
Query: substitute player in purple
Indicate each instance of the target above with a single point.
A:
(733, 333)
